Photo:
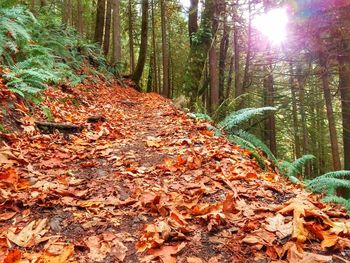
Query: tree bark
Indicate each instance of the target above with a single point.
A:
(297, 150)
(238, 87)
(270, 124)
(117, 49)
(136, 77)
(305, 135)
(330, 114)
(66, 12)
(344, 87)
(154, 47)
(245, 83)
(229, 78)
(150, 74)
(199, 53)
(100, 21)
(107, 33)
(165, 51)
(222, 61)
(80, 22)
(193, 19)
(131, 36)
(214, 81)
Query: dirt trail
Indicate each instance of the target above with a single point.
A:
(150, 184)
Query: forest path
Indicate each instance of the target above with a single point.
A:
(150, 183)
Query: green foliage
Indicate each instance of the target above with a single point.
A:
(295, 167)
(47, 112)
(37, 53)
(243, 138)
(235, 118)
(329, 182)
(256, 142)
(200, 116)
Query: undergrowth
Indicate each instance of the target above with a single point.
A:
(35, 53)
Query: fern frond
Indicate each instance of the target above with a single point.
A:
(235, 118)
(296, 166)
(256, 142)
(326, 184)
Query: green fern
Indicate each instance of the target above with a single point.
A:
(296, 166)
(235, 118)
(329, 182)
(245, 144)
(256, 142)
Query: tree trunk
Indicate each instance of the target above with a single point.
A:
(229, 78)
(214, 81)
(305, 137)
(193, 19)
(150, 74)
(270, 124)
(330, 113)
(117, 49)
(238, 87)
(143, 46)
(165, 51)
(222, 61)
(107, 34)
(100, 21)
(297, 151)
(66, 12)
(245, 83)
(154, 47)
(131, 37)
(344, 77)
(198, 54)
(80, 22)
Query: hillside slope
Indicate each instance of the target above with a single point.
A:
(141, 182)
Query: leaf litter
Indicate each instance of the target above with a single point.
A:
(146, 183)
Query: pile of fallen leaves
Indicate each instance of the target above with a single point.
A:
(145, 183)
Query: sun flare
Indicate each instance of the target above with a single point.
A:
(273, 25)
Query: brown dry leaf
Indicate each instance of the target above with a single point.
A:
(154, 236)
(301, 207)
(153, 142)
(341, 227)
(98, 248)
(194, 260)
(7, 215)
(252, 239)
(276, 224)
(295, 256)
(62, 257)
(119, 250)
(30, 235)
(166, 253)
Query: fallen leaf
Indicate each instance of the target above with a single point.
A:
(14, 256)
(98, 248)
(30, 235)
(276, 224)
(166, 253)
(295, 256)
(194, 260)
(63, 257)
(7, 215)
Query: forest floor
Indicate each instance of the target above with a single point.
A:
(146, 183)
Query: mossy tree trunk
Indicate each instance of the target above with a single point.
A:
(201, 43)
(136, 77)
